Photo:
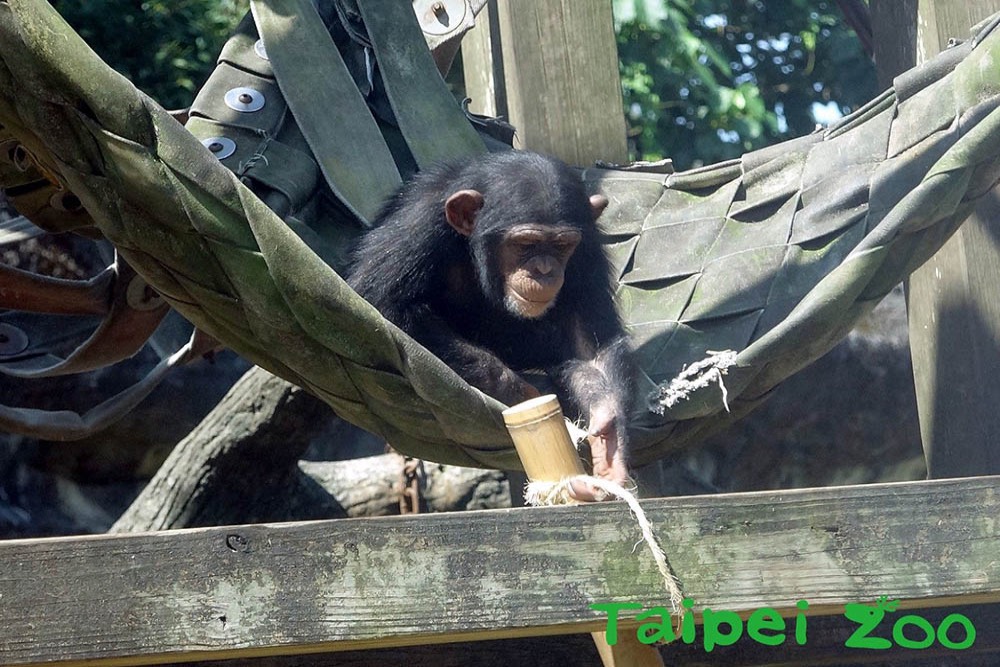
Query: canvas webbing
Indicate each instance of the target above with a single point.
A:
(327, 105)
(431, 120)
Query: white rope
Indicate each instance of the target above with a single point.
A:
(558, 493)
(691, 378)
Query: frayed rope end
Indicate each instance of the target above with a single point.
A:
(698, 375)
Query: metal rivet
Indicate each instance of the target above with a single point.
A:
(440, 17)
(238, 543)
(12, 340)
(221, 147)
(65, 201)
(245, 100)
(21, 158)
(258, 48)
(140, 296)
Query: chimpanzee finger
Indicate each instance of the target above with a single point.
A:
(602, 421)
(608, 463)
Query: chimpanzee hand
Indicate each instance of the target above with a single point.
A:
(605, 434)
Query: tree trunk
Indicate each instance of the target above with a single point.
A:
(238, 465)
(241, 465)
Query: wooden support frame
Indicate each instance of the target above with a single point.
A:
(551, 68)
(284, 589)
(954, 315)
(289, 589)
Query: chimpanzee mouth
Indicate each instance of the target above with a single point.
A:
(527, 308)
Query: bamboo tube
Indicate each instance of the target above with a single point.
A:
(548, 455)
(541, 439)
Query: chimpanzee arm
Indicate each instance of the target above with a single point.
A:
(476, 365)
(601, 385)
(485, 371)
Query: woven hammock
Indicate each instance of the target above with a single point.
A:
(773, 256)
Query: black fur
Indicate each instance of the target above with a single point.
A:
(446, 290)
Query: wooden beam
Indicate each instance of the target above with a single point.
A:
(283, 589)
(482, 66)
(825, 647)
(954, 314)
(559, 77)
(894, 25)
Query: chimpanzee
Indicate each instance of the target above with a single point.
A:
(494, 265)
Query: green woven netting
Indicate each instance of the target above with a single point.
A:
(774, 256)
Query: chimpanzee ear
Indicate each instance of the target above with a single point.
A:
(597, 205)
(461, 209)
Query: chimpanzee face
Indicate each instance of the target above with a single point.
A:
(533, 262)
(522, 264)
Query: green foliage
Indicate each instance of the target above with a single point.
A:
(703, 80)
(167, 48)
(708, 80)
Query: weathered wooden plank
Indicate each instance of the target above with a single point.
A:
(563, 90)
(894, 25)
(953, 311)
(278, 589)
(482, 66)
(825, 646)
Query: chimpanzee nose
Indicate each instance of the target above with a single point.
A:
(544, 266)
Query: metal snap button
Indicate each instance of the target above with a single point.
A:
(140, 296)
(258, 48)
(65, 201)
(245, 100)
(221, 147)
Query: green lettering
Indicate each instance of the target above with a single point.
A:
(650, 633)
(687, 622)
(900, 637)
(868, 619)
(950, 620)
(800, 623)
(766, 619)
(612, 609)
(711, 620)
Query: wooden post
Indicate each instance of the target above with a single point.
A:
(547, 452)
(894, 27)
(558, 76)
(953, 309)
(482, 65)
